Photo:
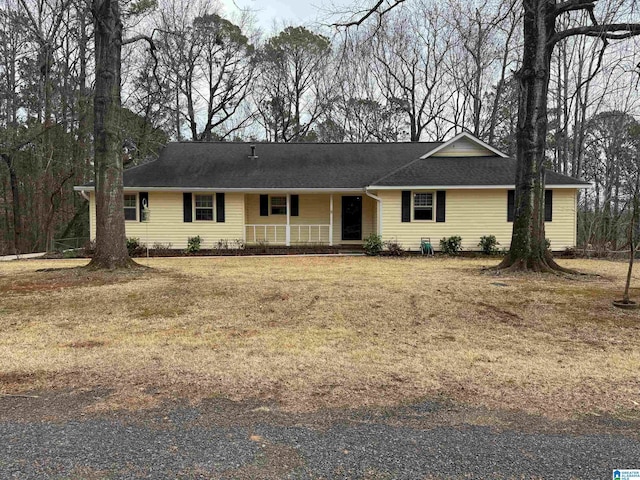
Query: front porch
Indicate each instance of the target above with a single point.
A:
(292, 219)
(289, 234)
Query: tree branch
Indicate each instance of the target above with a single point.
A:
(152, 51)
(572, 5)
(607, 31)
(371, 11)
(137, 38)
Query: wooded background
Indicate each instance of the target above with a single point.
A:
(425, 71)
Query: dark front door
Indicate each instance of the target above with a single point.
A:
(351, 218)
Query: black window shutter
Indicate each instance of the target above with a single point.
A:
(187, 207)
(441, 205)
(511, 205)
(548, 205)
(295, 205)
(264, 205)
(143, 198)
(220, 207)
(406, 206)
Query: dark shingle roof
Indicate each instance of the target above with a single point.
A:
(192, 165)
(463, 171)
(279, 165)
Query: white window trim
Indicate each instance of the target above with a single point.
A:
(134, 208)
(433, 206)
(271, 205)
(213, 206)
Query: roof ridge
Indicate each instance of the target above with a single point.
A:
(411, 162)
(262, 142)
(141, 165)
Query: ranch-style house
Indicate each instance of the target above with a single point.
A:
(333, 194)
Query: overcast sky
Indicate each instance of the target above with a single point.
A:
(289, 11)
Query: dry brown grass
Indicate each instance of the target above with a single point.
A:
(323, 332)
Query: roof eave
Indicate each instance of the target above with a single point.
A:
(84, 188)
(464, 187)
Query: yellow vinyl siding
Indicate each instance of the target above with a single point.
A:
(472, 214)
(464, 148)
(166, 223)
(562, 228)
(469, 213)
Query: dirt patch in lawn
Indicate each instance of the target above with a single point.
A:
(55, 279)
(312, 333)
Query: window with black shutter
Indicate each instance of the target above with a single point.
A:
(220, 207)
(406, 206)
(441, 205)
(187, 207)
(264, 205)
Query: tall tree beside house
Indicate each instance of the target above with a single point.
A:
(111, 248)
(528, 244)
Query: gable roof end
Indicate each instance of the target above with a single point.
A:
(467, 136)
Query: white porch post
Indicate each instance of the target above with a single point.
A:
(378, 210)
(244, 220)
(331, 220)
(288, 229)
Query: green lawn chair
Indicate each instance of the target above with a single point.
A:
(425, 246)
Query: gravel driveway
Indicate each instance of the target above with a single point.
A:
(49, 437)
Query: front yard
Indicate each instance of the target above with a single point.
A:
(318, 332)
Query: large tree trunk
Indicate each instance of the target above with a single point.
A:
(528, 246)
(19, 240)
(111, 248)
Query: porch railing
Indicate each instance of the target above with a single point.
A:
(288, 234)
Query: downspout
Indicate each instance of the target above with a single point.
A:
(83, 194)
(379, 210)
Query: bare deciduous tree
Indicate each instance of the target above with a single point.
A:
(295, 85)
(409, 52)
